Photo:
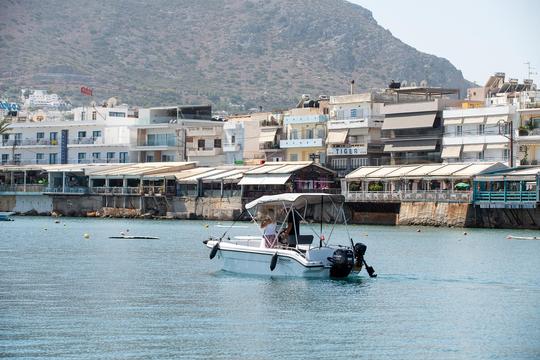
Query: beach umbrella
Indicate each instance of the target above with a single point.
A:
(462, 186)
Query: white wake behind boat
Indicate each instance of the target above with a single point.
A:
(296, 254)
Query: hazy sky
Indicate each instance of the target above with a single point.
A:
(479, 37)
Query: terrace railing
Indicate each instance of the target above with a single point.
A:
(410, 196)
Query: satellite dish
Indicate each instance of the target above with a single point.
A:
(413, 83)
(404, 83)
(112, 102)
(423, 83)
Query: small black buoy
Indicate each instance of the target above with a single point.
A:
(273, 262)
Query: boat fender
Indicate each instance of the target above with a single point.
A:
(273, 262)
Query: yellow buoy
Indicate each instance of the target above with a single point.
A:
(206, 225)
(86, 236)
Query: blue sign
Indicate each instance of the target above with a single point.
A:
(9, 106)
(64, 147)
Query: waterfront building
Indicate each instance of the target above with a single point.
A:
(479, 134)
(177, 133)
(412, 131)
(528, 135)
(41, 99)
(305, 128)
(85, 135)
(354, 132)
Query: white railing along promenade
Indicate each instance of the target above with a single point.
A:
(409, 196)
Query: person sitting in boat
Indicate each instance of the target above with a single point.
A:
(268, 224)
(290, 235)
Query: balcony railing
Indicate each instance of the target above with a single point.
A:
(21, 188)
(133, 190)
(409, 196)
(79, 190)
(205, 151)
(204, 131)
(509, 196)
(296, 143)
(268, 146)
(355, 123)
(86, 141)
(29, 142)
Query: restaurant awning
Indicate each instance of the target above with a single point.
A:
(473, 148)
(451, 152)
(421, 145)
(267, 135)
(266, 179)
(409, 122)
(496, 146)
(337, 136)
(474, 120)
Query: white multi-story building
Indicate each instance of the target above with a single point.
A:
(478, 134)
(354, 132)
(85, 135)
(177, 133)
(41, 99)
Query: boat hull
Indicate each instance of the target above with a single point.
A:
(257, 261)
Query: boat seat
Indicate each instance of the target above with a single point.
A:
(300, 240)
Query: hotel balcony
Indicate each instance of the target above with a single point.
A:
(300, 143)
(356, 123)
(205, 151)
(305, 119)
(29, 142)
(204, 131)
(86, 141)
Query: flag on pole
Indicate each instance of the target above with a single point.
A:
(86, 91)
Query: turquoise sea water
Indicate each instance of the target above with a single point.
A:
(439, 295)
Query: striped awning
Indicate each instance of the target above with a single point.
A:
(337, 136)
(409, 122)
(267, 135)
(474, 148)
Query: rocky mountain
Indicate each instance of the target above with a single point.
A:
(227, 52)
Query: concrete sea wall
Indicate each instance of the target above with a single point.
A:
(434, 214)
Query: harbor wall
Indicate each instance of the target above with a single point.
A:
(34, 204)
(506, 218)
(435, 214)
(373, 213)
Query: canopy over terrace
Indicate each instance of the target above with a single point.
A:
(137, 175)
(213, 181)
(408, 177)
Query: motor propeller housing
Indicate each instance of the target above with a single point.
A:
(342, 263)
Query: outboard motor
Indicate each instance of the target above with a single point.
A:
(342, 263)
(359, 252)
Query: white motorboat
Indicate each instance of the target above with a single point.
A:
(290, 252)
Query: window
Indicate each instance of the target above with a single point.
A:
(40, 136)
(200, 144)
(339, 164)
(17, 139)
(117, 114)
(217, 143)
(5, 139)
(83, 116)
(5, 159)
(353, 113)
(39, 158)
(96, 134)
(506, 154)
(309, 134)
(293, 157)
(81, 157)
(53, 158)
(110, 156)
(53, 136)
(149, 158)
(321, 134)
(81, 134)
(96, 156)
(233, 139)
(294, 134)
(17, 159)
(459, 130)
(481, 155)
(480, 129)
(357, 162)
(123, 157)
(94, 115)
(167, 158)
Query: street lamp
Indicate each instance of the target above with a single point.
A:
(511, 137)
